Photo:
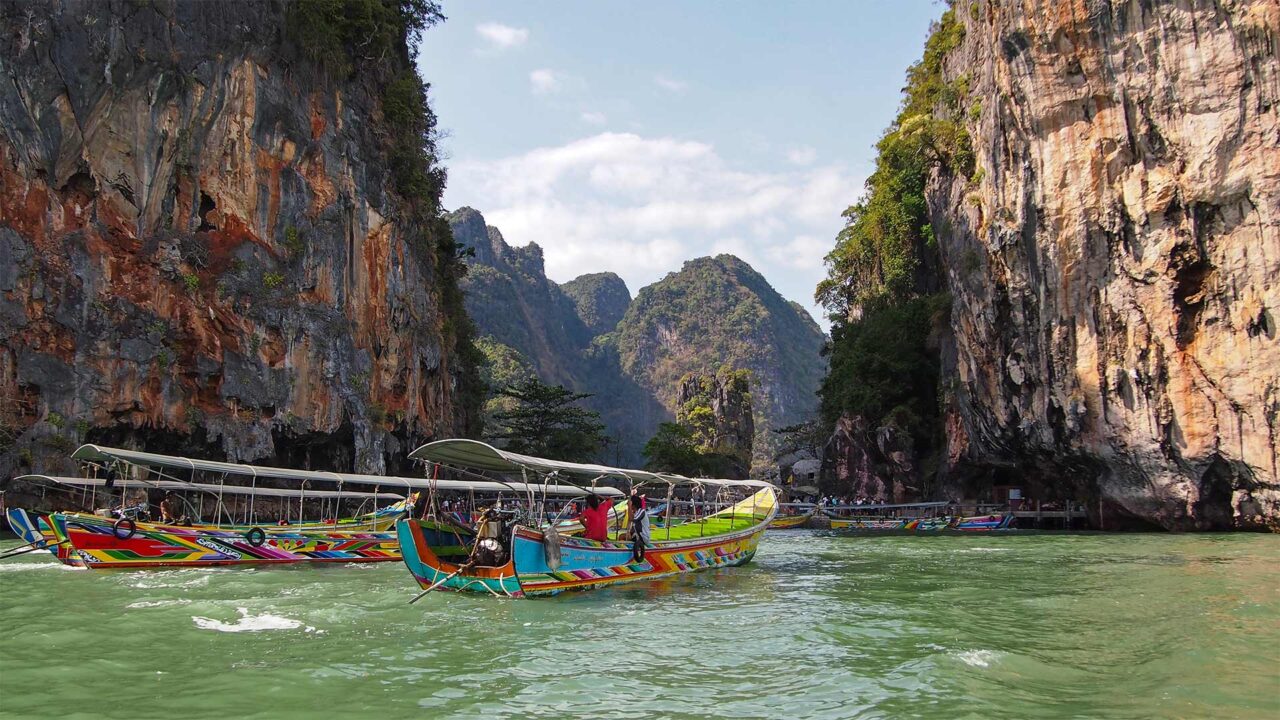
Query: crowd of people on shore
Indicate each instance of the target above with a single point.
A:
(831, 501)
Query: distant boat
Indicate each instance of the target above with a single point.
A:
(786, 522)
(917, 525)
(514, 553)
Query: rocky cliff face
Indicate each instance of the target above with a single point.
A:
(588, 336)
(529, 321)
(1115, 261)
(511, 299)
(716, 312)
(717, 408)
(200, 249)
(879, 463)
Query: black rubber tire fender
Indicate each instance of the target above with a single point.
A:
(256, 536)
(123, 522)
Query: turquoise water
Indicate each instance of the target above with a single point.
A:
(1044, 626)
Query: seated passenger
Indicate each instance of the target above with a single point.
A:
(595, 519)
(170, 508)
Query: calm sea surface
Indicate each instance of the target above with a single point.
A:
(1030, 626)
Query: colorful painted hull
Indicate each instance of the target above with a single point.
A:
(784, 522)
(97, 543)
(924, 526)
(35, 529)
(584, 564)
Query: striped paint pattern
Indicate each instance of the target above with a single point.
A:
(94, 543)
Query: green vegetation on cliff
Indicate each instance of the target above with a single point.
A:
(673, 449)
(886, 252)
(602, 300)
(717, 311)
(885, 368)
(713, 432)
(884, 284)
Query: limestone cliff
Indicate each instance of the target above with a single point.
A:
(1114, 263)
(716, 408)
(203, 245)
(632, 355)
(719, 311)
(529, 322)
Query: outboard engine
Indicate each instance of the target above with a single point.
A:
(493, 537)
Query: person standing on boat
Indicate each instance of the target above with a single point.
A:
(639, 527)
(595, 519)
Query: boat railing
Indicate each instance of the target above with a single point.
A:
(913, 510)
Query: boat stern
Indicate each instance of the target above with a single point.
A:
(26, 528)
(434, 573)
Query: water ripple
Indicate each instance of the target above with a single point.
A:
(819, 625)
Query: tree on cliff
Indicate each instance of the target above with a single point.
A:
(545, 421)
(887, 254)
(884, 285)
(673, 450)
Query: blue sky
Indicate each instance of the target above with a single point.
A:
(634, 136)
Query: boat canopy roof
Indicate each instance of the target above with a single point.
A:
(482, 456)
(101, 454)
(883, 506)
(210, 488)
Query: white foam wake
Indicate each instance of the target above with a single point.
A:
(978, 658)
(252, 623)
(157, 603)
(22, 566)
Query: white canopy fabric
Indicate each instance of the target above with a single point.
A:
(482, 456)
(101, 454)
(215, 489)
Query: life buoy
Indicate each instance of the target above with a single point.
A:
(256, 536)
(123, 522)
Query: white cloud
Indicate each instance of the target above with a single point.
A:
(640, 206)
(671, 84)
(803, 155)
(594, 118)
(544, 81)
(501, 36)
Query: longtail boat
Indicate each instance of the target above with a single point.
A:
(252, 524)
(786, 522)
(96, 541)
(515, 553)
(875, 523)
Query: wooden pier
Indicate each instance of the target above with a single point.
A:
(1058, 519)
(1025, 517)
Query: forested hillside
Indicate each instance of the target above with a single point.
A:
(531, 325)
(718, 311)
